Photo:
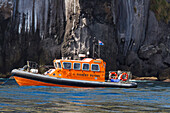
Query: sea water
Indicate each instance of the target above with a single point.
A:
(150, 96)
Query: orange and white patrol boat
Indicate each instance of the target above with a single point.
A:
(73, 73)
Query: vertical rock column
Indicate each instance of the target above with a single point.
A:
(87, 19)
(77, 36)
(35, 33)
(131, 24)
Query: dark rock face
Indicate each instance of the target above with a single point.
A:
(164, 74)
(43, 30)
(6, 7)
(85, 21)
(35, 32)
(146, 52)
(131, 23)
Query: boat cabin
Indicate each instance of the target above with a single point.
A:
(86, 69)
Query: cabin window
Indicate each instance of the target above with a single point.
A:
(67, 65)
(55, 65)
(85, 66)
(76, 66)
(59, 65)
(95, 67)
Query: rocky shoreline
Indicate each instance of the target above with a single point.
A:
(151, 79)
(5, 75)
(146, 78)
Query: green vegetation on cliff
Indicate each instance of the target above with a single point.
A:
(161, 8)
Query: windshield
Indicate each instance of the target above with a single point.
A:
(67, 65)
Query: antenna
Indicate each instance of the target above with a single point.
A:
(98, 50)
(94, 41)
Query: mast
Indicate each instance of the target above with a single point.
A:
(94, 46)
(98, 50)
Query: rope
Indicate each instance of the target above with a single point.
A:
(7, 80)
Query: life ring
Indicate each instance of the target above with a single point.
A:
(113, 73)
(123, 79)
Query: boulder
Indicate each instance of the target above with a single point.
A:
(157, 61)
(167, 61)
(146, 51)
(164, 74)
(134, 63)
(149, 70)
(131, 58)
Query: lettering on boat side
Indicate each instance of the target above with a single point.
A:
(94, 75)
(82, 74)
(88, 75)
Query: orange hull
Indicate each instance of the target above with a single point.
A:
(24, 78)
(28, 82)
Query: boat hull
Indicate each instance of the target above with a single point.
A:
(28, 82)
(24, 78)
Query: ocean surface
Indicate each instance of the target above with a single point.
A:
(150, 96)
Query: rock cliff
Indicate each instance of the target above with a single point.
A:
(135, 33)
